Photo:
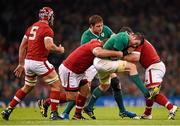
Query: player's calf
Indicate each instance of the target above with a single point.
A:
(154, 91)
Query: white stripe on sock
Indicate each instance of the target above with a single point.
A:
(79, 107)
(17, 99)
(148, 107)
(167, 103)
(54, 100)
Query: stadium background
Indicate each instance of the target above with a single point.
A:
(159, 20)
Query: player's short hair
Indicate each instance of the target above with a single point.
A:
(126, 29)
(139, 36)
(95, 19)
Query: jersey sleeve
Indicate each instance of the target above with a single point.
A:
(138, 49)
(84, 39)
(121, 41)
(109, 43)
(27, 32)
(48, 32)
(108, 30)
(95, 44)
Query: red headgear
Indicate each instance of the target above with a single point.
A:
(45, 13)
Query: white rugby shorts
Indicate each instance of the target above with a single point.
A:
(70, 80)
(154, 74)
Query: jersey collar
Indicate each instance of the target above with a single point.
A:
(93, 33)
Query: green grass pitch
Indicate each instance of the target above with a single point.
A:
(105, 116)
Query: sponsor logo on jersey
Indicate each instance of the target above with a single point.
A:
(102, 34)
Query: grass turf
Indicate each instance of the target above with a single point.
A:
(104, 115)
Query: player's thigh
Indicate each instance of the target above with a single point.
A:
(71, 95)
(113, 75)
(103, 65)
(91, 73)
(52, 79)
(154, 74)
(30, 75)
(40, 68)
(43, 69)
(104, 78)
(69, 79)
(84, 89)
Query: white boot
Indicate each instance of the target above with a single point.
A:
(172, 113)
(144, 116)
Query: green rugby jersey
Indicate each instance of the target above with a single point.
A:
(117, 42)
(88, 35)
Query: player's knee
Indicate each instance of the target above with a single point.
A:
(71, 95)
(115, 85)
(122, 65)
(27, 88)
(104, 87)
(132, 68)
(51, 81)
(154, 91)
(30, 81)
(84, 88)
(56, 86)
(85, 91)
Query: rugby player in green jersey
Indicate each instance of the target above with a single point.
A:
(106, 67)
(98, 30)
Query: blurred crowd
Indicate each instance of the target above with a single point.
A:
(157, 19)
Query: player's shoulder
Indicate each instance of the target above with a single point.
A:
(87, 32)
(122, 35)
(94, 42)
(42, 25)
(146, 42)
(106, 27)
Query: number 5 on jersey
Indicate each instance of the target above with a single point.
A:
(33, 32)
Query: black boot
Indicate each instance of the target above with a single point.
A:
(6, 113)
(55, 116)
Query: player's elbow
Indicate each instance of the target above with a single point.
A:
(135, 58)
(48, 42)
(131, 59)
(97, 51)
(50, 47)
(98, 54)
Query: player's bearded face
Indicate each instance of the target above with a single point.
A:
(97, 28)
(134, 43)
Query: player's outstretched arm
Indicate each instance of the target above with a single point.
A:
(132, 57)
(22, 54)
(51, 47)
(100, 52)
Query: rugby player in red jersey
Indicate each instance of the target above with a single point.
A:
(73, 76)
(154, 72)
(33, 52)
